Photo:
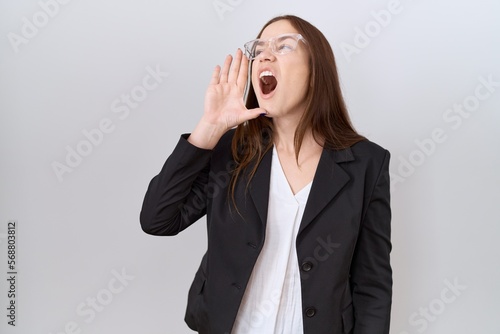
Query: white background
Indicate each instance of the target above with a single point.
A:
(78, 231)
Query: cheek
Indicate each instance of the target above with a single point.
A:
(305, 76)
(299, 70)
(301, 81)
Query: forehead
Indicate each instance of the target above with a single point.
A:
(278, 28)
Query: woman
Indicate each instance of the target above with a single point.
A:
(297, 203)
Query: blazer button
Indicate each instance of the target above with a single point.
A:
(307, 266)
(310, 312)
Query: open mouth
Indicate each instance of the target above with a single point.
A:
(268, 82)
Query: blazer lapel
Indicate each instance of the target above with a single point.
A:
(259, 185)
(329, 179)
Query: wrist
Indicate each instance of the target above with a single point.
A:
(206, 135)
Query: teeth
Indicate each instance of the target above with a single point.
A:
(266, 74)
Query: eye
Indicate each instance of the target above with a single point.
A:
(259, 48)
(285, 44)
(283, 48)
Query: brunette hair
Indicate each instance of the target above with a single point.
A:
(326, 113)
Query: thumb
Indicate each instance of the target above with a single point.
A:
(254, 113)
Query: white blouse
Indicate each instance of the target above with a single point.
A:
(272, 303)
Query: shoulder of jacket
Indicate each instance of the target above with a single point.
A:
(367, 148)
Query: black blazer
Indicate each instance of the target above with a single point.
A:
(343, 243)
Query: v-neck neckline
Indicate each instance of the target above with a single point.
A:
(299, 194)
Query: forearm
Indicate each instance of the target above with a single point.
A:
(176, 197)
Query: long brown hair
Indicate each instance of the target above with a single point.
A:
(326, 113)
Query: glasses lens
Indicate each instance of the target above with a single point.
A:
(254, 48)
(249, 50)
(279, 45)
(285, 44)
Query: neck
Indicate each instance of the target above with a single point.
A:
(284, 135)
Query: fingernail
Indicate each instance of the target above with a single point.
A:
(263, 114)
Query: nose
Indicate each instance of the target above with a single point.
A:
(266, 54)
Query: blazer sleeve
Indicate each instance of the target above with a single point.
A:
(176, 197)
(371, 273)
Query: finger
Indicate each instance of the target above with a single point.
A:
(235, 68)
(215, 75)
(243, 73)
(225, 69)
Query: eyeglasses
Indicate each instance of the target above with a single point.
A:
(279, 45)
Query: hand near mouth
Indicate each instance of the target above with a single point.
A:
(224, 104)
